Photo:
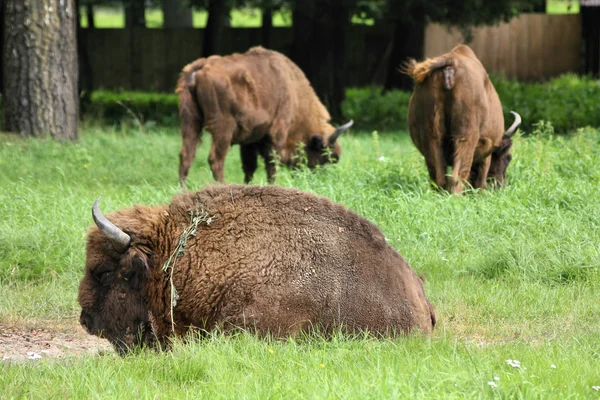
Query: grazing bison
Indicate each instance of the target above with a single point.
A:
(273, 260)
(260, 100)
(455, 119)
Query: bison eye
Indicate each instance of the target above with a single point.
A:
(105, 278)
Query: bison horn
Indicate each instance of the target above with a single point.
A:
(513, 128)
(338, 132)
(119, 238)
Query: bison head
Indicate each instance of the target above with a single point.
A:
(111, 292)
(321, 150)
(501, 156)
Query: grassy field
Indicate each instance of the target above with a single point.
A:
(113, 17)
(513, 274)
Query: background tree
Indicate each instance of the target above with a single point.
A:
(135, 13)
(40, 68)
(218, 18)
(177, 14)
(319, 47)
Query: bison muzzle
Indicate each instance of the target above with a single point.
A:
(268, 259)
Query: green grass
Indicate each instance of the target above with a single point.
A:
(113, 17)
(562, 7)
(513, 274)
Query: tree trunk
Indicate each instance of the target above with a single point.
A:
(2, 7)
(90, 16)
(135, 22)
(86, 81)
(40, 68)
(177, 14)
(266, 26)
(135, 14)
(319, 48)
(218, 16)
(408, 41)
(590, 24)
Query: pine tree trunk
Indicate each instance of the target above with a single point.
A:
(135, 14)
(40, 68)
(408, 42)
(177, 14)
(319, 48)
(2, 7)
(218, 15)
(266, 26)
(90, 16)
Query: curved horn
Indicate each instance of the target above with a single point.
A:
(338, 132)
(513, 128)
(120, 239)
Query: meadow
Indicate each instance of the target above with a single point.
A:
(514, 274)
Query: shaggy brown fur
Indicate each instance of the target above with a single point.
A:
(274, 260)
(260, 100)
(455, 119)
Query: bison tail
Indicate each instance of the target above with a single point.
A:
(191, 116)
(423, 70)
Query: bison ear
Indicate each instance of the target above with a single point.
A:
(504, 147)
(138, 271)
(316, 142)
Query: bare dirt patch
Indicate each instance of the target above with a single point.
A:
(19, 344)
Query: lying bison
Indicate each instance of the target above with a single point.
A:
(455, 119)
(260, 100)
(273, 260)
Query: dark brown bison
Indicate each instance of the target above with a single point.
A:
(455, 119)
(260, 100)
(272, 260)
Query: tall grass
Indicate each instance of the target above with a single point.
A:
(513, 274)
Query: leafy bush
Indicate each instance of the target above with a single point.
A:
(372, 108)
(567, 102)
(113, 107)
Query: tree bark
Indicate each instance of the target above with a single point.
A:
(218, 16)
(2, 8)
(86, 81)
(319, 48)
(89, 11)
(40, 68)
(266, 26)
(590, 30)
(407, 42)
(135, 14)
(135, 22)
(177, 14)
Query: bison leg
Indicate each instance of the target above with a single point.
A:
(222, 135)
(436, 163)
(463, 160)
(266, 151)
(479, 173)
(249, 156)
(191, 133)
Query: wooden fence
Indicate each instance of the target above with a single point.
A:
(531, 47)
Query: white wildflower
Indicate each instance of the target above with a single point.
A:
(492, 384)
(32, 355)
(553, 366)
(514, 363)
(496, 378)
(382, 159)
(596, 388)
